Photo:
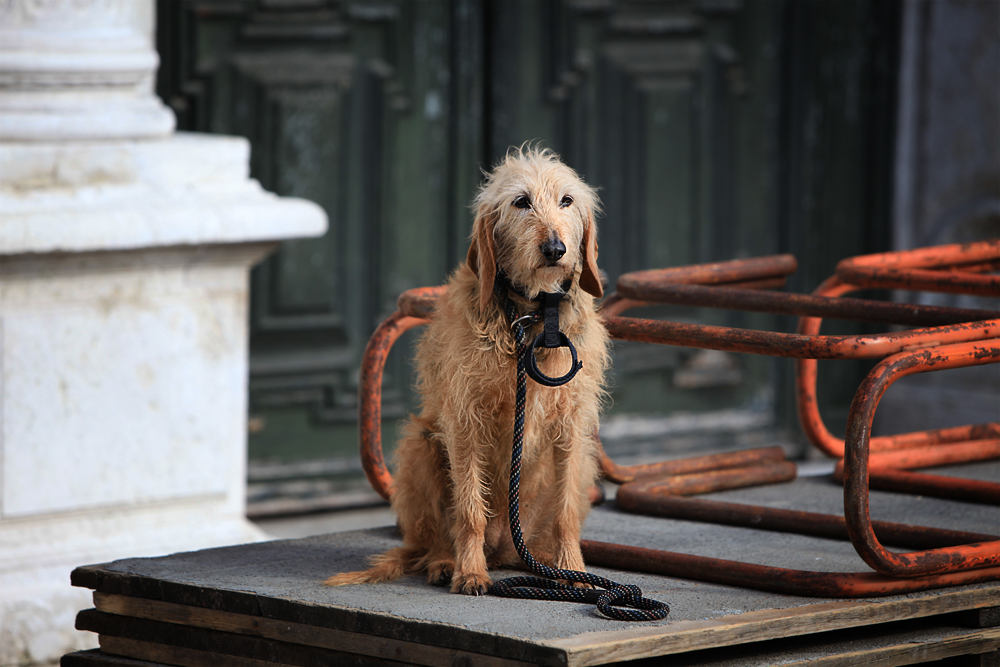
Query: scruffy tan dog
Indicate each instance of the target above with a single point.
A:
(535, 221)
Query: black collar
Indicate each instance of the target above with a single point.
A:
(551, 336)
(503, 284)
(548, 305)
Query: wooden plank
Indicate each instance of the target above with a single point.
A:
(910, 653)
(585, 649)
(296, 633)
(100, 578)
(233, 648)
(986, 617)
(901, 643)
(597, 648)
(177, 655)
(934, 643)
(98, 658)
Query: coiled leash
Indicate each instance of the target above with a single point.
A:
(621, 602)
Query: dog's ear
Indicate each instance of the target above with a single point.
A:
(590, 278)
(482, 253)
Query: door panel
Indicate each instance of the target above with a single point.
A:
(714, 129)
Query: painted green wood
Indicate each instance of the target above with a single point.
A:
(714, 128)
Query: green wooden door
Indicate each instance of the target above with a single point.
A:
(714, 128)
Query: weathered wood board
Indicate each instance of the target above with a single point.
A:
(184, 635)
(916, 645)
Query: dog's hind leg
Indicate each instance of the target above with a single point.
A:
(422, 497)
(420, 494)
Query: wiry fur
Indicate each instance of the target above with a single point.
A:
(452, 464)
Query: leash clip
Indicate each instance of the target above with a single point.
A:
(531, 317)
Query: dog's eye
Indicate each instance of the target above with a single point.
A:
(565, 201)
(522, 201)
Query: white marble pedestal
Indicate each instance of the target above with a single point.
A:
(125, 252)
(123, 346)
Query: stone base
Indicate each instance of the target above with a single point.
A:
(188, 189)
(38, 606)
(124, 280)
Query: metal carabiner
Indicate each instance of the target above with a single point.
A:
(533, 317)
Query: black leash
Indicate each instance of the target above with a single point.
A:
(618, 601)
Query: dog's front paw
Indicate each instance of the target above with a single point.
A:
(439, 573)
(470, 583)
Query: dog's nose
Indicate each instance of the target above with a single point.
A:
(553, 250)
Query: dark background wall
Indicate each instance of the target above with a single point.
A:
(947, 183)
(715, 129)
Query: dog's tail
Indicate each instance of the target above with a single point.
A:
(389, 566)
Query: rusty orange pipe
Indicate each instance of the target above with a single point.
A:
(715, 480)
(806, 372)
(615, 304)
(856, 464)
(773, 579)
(815, 524)
(936, 269)
(938, 486)
(370, 399)
(748, 457)
(969, 258)
(947, 255)
(420, 301)
(737, 271)
(936, 455)
(796, 346)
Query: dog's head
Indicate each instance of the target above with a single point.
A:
(535, 220)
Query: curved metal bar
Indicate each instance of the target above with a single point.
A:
(687, 466)
(796, 346)
(960, 451)
(634, 284)
(709, 481)
(740, 298)
(955, 268)
(615, 304)
(370, 398)
(938, 486)
(806, 372)
(420, 301)
(856, 464)
(634, 499)
(773, 579)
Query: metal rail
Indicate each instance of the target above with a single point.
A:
(946, 338)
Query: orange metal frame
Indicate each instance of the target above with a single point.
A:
(945, 338)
